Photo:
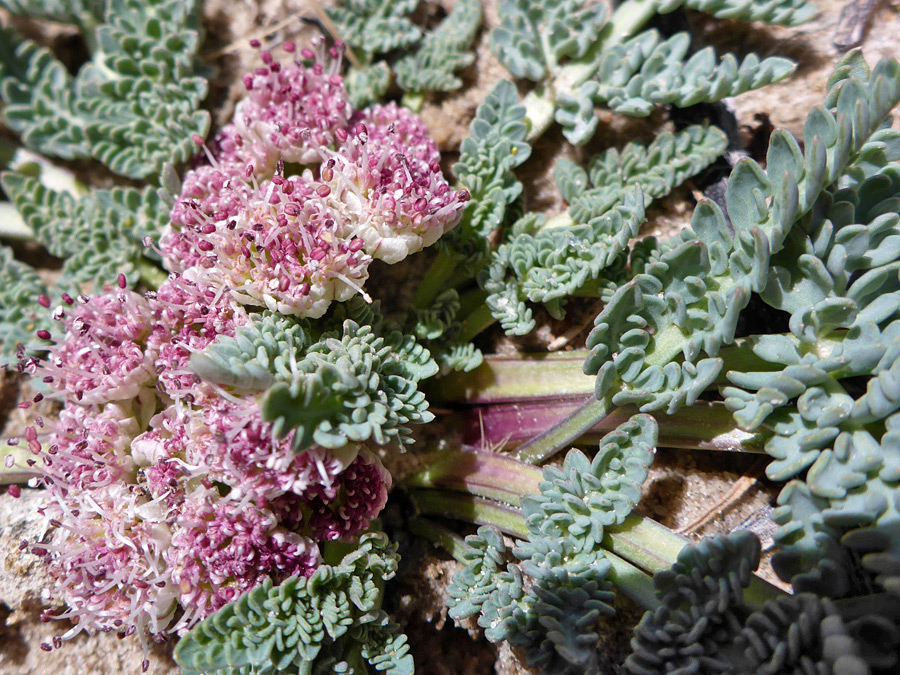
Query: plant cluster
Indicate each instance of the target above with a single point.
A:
(216, 470)
(378, 32)
(212, 435)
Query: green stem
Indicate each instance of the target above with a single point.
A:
(565, 432)
(150, 275)
(435, 280)
(556, 374)
(511, 378)
(440, 536)
(485, 474)
(634, 584)
(645, 543)
(645, 546)
(414, 100)
(478, 510)
(476, 323)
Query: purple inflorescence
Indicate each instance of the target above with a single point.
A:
(169, 494)
(366, 184)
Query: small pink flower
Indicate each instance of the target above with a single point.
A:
(104, 355)
(386, 184)
(89, 448)
(188, 316)
(107, 561)
(294, 110)
(223, 547)
(285, 251)
(360, 494)
(236, 447)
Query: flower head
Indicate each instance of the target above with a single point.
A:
(295, 109)
(223, 547)
(386, 184)
(347, 508)
(285, 251)
(188, 315)
(104, 354)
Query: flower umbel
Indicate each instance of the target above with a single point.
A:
(170, 494)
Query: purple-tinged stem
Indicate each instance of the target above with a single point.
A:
(505, 378)
(704, 426)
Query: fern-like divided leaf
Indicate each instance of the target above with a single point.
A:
(352, 387)
(20, 314)
(704, 623)
(289, 627)
(534, 37)
(439, 326)
(257, 355)
(687, 296)
(556, 263)
(39, 99)
(836, 276)
(494, 147)
(135, 106)
(367, 85)
(549, 603)
(648, 71)
(79, 12)
(443, 52)
(780, 12)
(376, 26)
(100, 234)
(585, 496)
(140, 96)
(485, 556)
(656, 169)
(549, 264)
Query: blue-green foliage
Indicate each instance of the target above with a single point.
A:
(349, 385)
(657, 169)
(648, 71)
(439, 326)
(99, 235)
(779, 12)
(533, 38)
(376, 26)
(494, 147)
(568, 46)
(548, 264)
(443, 52)
(330, 622)
(257, 356)
(548, 603)
(705, 622)
(374, 29)
(79, 12)
(134, 106)
(836, 277)
(367, 84)
(20, 314)
(687, 296)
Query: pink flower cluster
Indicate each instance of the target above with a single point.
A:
(300, 193)
(169, 494)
